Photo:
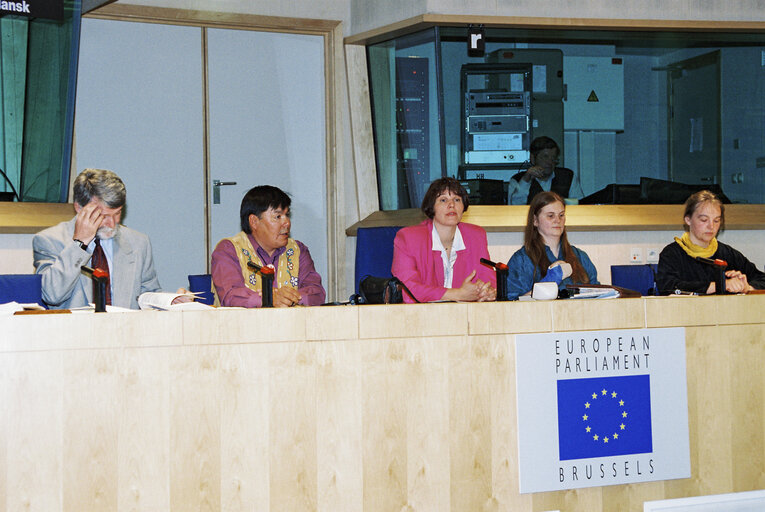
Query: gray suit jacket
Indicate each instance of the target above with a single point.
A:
(58, 259)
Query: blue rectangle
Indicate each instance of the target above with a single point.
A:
(603, 417)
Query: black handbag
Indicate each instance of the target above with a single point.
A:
(383, 290)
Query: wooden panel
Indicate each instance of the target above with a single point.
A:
(339, 427)
(328, 324)
(34, 420)
(208, 18)
(384, 449)
(577, 315)
(516, 317)
(90, 454)
(242, 326)
(423, 421)
(740, 309)
(244, 428)
(195, 428)
(33, 217)
(292, 427)
(406, 320)
(604, 217)
(747, 386)
(143, 411)
(424, 21)
(361, 131)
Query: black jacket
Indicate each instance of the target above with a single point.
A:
(678, 271)
(561, 183)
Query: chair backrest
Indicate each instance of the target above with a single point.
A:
(641, 278)
(202, 283)
(374, 252)
(21, 288)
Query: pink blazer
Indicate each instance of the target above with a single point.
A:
(422, 269)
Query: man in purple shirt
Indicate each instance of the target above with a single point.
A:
(265, 240)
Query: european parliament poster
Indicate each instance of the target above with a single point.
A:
(601, 408)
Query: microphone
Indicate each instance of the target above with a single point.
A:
(713, 262)
(719, 266)
(100, 276)
(502, 271)
(267, 273)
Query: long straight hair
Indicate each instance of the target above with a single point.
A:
(535, 244)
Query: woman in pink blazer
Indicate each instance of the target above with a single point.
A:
(439, 259)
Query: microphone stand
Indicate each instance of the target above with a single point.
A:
(8, 180)
(100, 277)
(720, 266)
(267, 287)
(502, 271)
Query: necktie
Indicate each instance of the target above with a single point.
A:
(98, 260)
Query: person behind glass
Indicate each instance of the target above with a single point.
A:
(439, 259)
(546, 254)
(704, 218)
(543, 175)
(264, 217)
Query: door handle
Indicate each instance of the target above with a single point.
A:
(217, 184)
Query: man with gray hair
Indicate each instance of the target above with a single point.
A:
(94, 237)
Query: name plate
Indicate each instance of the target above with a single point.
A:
(601, 408)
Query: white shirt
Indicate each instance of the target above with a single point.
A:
(448, 260)
(518, 191)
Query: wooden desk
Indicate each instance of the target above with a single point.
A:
(338, 408)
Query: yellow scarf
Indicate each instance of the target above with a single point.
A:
(289, 263)
(694, 250)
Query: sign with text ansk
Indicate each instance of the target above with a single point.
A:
(601, 408)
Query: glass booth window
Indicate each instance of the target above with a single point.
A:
(637, 117)
(406, 112)
(38, 65)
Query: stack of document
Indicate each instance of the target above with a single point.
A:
(163, 301)
(595, 293)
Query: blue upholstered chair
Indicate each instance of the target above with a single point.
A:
(21, 288)
(641, 278)
(202, 283)
(374, 252)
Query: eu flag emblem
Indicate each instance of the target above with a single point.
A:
(603, 417)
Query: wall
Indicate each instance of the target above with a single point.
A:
(16, 254)
(370, 14)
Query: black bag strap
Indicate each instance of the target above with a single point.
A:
(399, 281)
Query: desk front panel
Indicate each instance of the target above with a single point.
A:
(338, 408)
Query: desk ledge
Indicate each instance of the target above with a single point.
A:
(32, 217)
(637, 217)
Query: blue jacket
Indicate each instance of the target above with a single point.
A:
(523, 274)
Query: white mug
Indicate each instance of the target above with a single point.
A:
(545, 291)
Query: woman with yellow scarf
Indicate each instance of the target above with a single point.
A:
(680, 270)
